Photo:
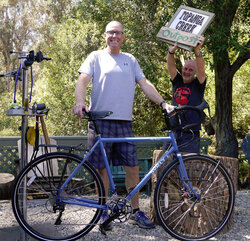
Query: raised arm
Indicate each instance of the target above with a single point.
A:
(80, 94)
(171, 61)
(200, 72)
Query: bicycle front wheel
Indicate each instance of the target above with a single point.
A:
(184, 216)
(37, 207)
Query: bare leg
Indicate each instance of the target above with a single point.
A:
(104, 175)
(132, 179)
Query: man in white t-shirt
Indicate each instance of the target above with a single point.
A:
(114, 75)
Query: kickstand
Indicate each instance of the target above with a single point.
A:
(58, 220)
(102, 229)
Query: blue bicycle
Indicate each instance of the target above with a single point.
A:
(64, 196)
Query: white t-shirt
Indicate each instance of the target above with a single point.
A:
(113, 82)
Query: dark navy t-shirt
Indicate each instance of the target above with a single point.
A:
(188, 94)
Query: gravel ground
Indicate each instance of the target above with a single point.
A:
(9, 230)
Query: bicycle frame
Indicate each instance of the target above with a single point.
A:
(100, 141)
(193, 197)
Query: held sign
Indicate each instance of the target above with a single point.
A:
(185, 26)
(173, 35)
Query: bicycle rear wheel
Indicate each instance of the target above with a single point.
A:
(181, 214)
(34, 197)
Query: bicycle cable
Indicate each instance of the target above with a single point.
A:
(19, 69)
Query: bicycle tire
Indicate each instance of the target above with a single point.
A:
(178, 212)
(39, 183)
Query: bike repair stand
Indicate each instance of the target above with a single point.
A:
(24, 112)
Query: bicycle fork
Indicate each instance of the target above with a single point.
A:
(186, 181)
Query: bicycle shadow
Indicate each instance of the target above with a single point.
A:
(12, 233)
(126, 231)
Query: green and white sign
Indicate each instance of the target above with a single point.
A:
(185, 26)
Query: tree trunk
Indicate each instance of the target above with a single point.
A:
(6, 184)
(226, 142)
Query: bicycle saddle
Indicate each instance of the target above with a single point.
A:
(96, 115)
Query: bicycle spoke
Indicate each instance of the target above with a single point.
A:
(186, 217)
(47, 215)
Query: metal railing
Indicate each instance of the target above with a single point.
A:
(9, 155)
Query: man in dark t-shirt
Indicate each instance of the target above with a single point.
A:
(188, 89)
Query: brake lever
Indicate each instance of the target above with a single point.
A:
(169, 113)
(85, 113)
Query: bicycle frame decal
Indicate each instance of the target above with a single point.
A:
(150, 173)
(128, 139)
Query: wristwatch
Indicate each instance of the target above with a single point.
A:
(198, 55)
(162, 103)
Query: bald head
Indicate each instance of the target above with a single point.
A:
(112, 24)
(188, 71)
(191, 64)
(114, 36)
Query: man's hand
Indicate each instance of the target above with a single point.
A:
(173, 48)
(167, 107)
(199, 44)
(78, 108)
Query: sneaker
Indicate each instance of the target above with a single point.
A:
(104, 217)
(139, 218)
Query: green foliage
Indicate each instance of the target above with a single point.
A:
(82, 33)
(9, 125)
(241, 115)
(244, 171)
(73, 41)
(71, 32)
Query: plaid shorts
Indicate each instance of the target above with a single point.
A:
(123, 153)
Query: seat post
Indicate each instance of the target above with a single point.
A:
(96, 115)
(94, 122)
(96, 127)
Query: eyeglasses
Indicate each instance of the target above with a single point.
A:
(117, 33)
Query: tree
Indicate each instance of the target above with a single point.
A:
(68, 33)
(72, 41)
(14, 33)
(82, 33)
(24, 25)
(141, 23)
(230, 48)
(227, 40)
